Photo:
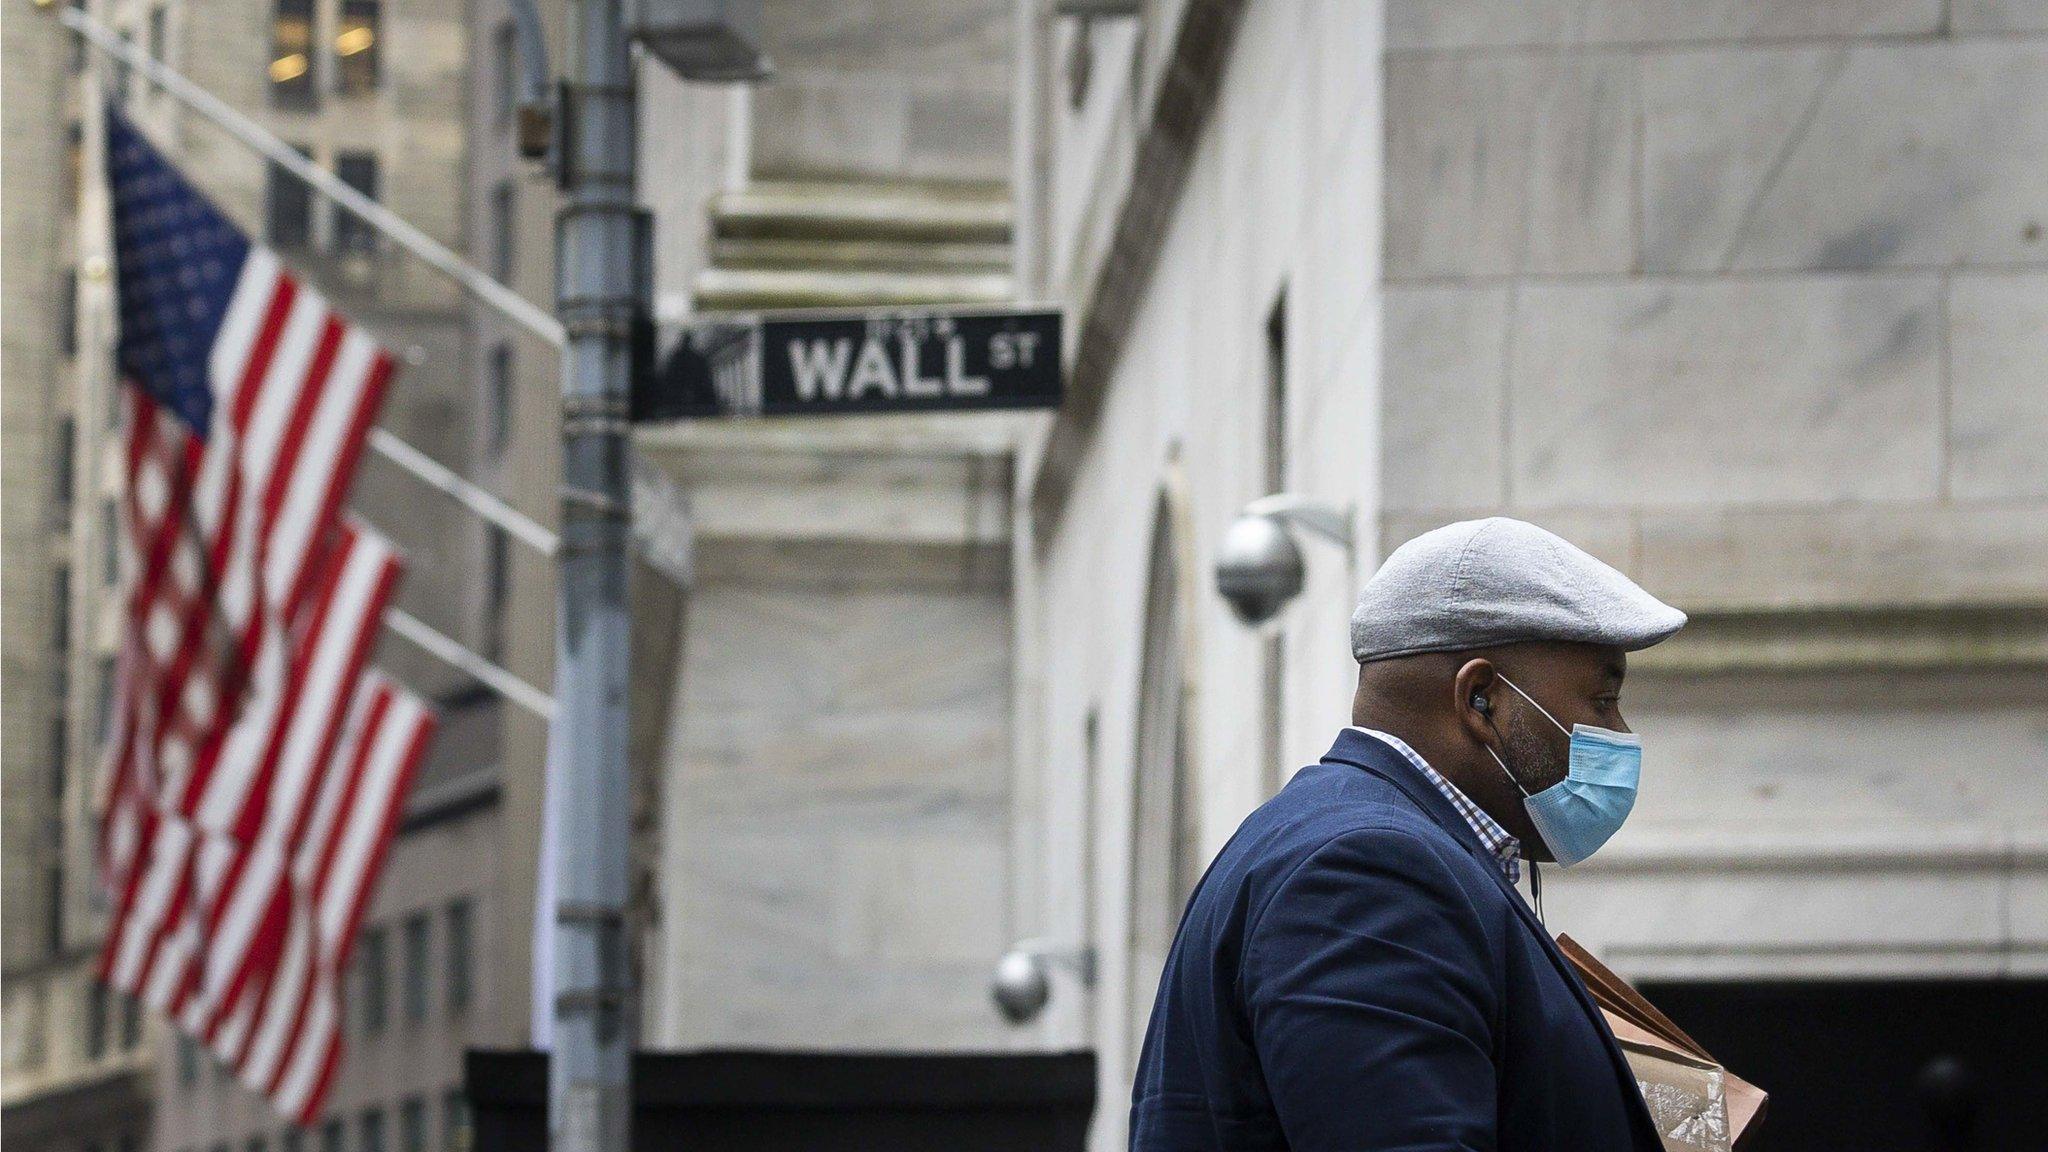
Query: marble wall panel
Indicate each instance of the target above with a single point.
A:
(1725, 392)
(1509, 164)
(1445, 370)
(1998, 384)
(1998, 16)
(1872, 155)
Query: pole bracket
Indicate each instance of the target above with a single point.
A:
(599, 503)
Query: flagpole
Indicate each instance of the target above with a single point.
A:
(504, 683)
(471, 496)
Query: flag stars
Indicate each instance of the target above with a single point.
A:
(178, 259)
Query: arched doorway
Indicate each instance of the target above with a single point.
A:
(1165, 805)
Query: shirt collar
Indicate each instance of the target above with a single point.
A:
(1506, 850)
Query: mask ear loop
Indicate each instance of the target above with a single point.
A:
(1532, 703)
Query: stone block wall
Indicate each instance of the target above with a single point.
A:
(832, 863)
(885, 90)
(1749, 297)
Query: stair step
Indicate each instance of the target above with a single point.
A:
(830, 210)
(734, 289)
(852, 255)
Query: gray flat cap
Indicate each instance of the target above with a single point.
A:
(1481, 583)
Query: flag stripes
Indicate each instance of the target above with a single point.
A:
(255, 767)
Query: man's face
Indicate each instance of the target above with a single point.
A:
(1576, 684)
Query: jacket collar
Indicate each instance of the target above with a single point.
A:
(1359, 750)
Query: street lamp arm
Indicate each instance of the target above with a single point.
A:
(1329, 521)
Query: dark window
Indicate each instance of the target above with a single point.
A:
(53, 905)
(505, 79)
(412, 1125)
(256, 1144)
(370, 962)
(371, 1136)
(60, 744)
(358, 170)
(61, 468)
(67, 299)
(356, 48)
(292, 1140)
(105, 715)
(124, 76)
(188, 1061)
(454, 1122)
(96, 1022)
(417, 932)
(497, 589)
(291, 55)
(157, 19)
(131, 1023)
(500, 400)
(60, 610)
(74, 173)
(110, 523)
(331, 1137)
(460, 946)
(221, 1147)
(504, 208)
(288, 209)
(1273, 687)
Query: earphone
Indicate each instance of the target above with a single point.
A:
(1481, 705)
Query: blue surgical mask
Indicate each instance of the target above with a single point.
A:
(1576, 815)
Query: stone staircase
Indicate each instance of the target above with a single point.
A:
(837, 244)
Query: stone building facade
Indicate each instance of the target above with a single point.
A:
(1744, 298)
(1750, 301)
(1216, 240)
(74, 1072)
(831, 820)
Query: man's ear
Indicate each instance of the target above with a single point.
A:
(1472, 699)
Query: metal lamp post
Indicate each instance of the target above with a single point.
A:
(601, 295)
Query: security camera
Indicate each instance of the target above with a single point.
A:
(1258, 564)
(1021, 986)
(1258, 568)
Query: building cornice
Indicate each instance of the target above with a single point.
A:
(1840, 638)
(1186, 92)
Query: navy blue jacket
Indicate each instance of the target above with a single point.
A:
(1355, 972)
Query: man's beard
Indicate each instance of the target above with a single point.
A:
(1530, 754)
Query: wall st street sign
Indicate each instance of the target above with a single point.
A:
(828, 363)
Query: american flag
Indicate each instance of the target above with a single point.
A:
(254, 768)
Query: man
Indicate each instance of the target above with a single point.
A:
(1356, 970)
